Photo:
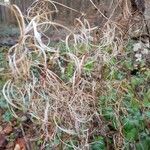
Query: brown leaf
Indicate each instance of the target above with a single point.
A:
(10, 145)
(8, 129)
(3, 141)
(20, 144)
(17, 147)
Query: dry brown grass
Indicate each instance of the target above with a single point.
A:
(36, 88)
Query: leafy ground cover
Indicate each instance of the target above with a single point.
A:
(123, 106)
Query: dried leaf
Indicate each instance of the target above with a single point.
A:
(20, 144)
(3, 141)
(17, 147)
(8, 129)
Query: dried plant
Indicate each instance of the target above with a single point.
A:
(39, 85)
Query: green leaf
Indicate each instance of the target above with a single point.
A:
(69, 70)
(89, 66)
(7, 116)
(112, 61)
(99, 144)
(147, 113)
(129, 46)
(146, 104)
(147, 73)
(128, 64)
(132, 134)
(147, 96)
(144, 144)
(117, 74)
(128, 124)
(136, 81)
(3, 103)
(108, 113)
(135, 104)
